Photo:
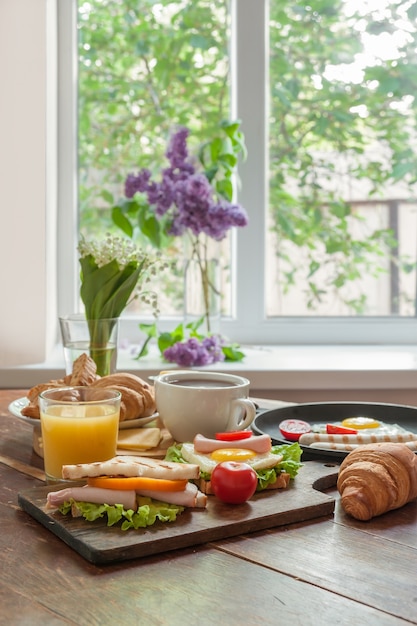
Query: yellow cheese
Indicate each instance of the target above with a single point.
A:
(138, 438)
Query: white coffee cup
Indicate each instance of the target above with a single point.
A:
(200, 402)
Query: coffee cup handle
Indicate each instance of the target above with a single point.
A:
(236, 422)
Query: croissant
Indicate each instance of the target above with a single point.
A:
(376, 478)
(138, 396)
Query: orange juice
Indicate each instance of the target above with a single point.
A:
(77, 433)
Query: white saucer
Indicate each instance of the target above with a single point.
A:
(16, 407)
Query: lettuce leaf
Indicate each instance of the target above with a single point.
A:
(290, 463)
(149, 511)
(291, 454)
(174, 454)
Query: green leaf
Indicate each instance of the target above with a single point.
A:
(148, 512)
(105, 291)
(107, 196)
(121, 221)
(166, 340)
(233, 353)
(149, 329)
(225, 189)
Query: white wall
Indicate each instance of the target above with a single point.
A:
(27, 274)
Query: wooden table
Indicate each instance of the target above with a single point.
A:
(330, 570)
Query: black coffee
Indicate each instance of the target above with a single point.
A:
(204, 384)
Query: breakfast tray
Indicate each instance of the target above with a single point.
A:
(100, 544)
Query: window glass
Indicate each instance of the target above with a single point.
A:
(326, 94)
(146, 68)
(343, 159)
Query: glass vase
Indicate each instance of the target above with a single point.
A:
(202, 292)
(98, 338)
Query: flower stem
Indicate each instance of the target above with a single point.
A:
(200, 253)
(103, 351)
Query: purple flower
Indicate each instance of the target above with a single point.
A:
(223, 216)
(185, 195)
(177, 151)
(137, 183)
(193, 352)
(213, 345)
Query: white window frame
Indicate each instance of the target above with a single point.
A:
(249, 50)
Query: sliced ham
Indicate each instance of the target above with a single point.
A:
(260, 444)
(92, 494)
(191, 496)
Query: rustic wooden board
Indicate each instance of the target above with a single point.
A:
(100, 544)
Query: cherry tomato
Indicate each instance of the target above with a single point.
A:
(293, 429)
(234, 435)
(332, 429)
(233, 482)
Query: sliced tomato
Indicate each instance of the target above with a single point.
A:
(332, 429)
(293, 429)
(234, 435)
(137, 482)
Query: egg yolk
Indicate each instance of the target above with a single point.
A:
(232, 454)
(360, 422)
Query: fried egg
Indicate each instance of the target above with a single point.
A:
(365, 425)
(207, 462)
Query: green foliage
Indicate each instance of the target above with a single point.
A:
(165, 340)
(320, 124)
(218, 158)
(146, 66)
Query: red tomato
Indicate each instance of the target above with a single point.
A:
(234, 435)
(293, 429)
(331, 429)
(233, 482)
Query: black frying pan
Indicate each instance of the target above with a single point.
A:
(268, 422)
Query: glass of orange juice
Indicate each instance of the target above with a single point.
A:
(79, 425)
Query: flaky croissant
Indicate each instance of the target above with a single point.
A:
(138, 396)
(376, 478)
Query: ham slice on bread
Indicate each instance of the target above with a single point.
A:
(190, 497)
(260, 444)
(95, 495)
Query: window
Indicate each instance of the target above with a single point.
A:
(331, 301)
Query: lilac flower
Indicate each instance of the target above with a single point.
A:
(193, 352)
(186, 196)
(213, 345)
(137, 183)
(177, 152)
(187, 202)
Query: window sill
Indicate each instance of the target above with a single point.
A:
(270, 368)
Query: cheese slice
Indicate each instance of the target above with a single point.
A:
(138, 438)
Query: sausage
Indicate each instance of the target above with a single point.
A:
(347, 447)
(327, 445)
(309, 438)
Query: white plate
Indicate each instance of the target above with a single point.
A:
(139, 421)
(16, 407)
